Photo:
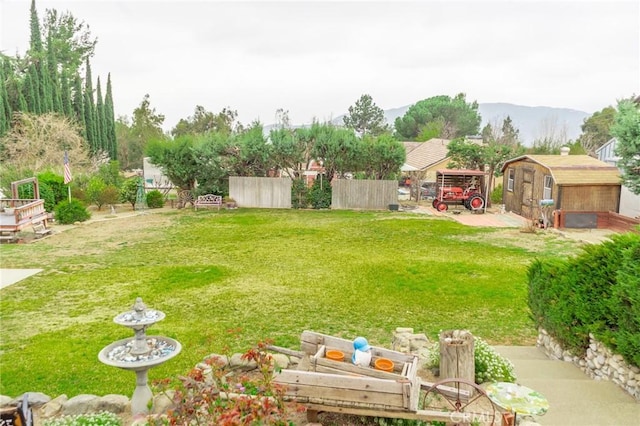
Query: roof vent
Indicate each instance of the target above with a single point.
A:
(564, 150)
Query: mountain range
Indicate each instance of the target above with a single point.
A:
(532, 122)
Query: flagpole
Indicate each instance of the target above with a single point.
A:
(69, 191)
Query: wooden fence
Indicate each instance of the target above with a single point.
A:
(347, 194)
(261, 192)
(275, 193)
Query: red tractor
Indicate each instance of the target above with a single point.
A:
(459, 187)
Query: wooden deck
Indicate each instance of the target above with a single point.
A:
(18, 214)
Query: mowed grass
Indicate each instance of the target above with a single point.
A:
(228, 279)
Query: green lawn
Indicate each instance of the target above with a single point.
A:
(229, 279)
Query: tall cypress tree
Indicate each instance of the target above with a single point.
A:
(110, 121)
(78, 102)
(30, 91)
(100, 120)
(39, 79)
(5, 109)
(89, 109)
(65, 97)
(54, 79)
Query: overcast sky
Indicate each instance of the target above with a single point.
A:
(315, 59)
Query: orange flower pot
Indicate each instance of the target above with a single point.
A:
(384, 364)
(335, 355)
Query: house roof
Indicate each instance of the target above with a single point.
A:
(422, 155)
(573, 169)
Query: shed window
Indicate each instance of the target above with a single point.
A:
(548, 184)
(512, 174)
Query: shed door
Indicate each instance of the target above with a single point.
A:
(527, 193)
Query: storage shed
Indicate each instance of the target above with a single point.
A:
(579, 187)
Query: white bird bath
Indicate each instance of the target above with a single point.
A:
(141, 352)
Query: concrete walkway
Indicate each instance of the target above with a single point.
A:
(12, 276)
(574, 398)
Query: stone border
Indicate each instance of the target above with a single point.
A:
(599, 362)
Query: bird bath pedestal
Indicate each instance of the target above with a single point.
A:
(140, 353)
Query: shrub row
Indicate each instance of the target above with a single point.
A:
(596, 292)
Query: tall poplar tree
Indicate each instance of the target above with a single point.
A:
(78, 103)
(89, 109)
(53, 78)
(101, 139)
(110, 123)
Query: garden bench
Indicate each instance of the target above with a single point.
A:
(208, 200)
(40, 229)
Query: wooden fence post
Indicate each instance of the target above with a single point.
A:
(457, 358)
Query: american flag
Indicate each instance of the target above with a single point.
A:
(67, 169)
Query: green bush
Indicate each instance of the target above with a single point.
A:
(496, 194)
(595, 292)
(110, 195)
(56, 183)
(155, 199)
(70, 212)
(319, 197)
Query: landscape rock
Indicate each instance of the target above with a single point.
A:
(53, 407)
(35, 399)
(237, 361)
(80, 404)
(112, 403)
(5, 400)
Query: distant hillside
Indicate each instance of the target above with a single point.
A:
(531, 121)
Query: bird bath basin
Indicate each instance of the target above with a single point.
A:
(139, 353)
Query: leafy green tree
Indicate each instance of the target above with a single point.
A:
(133, 137)
(70, 41)
(458, 117)
(129, 191)
(250, 153)
(596, 129)
(626, 129)
(339, 150)
(365, 117)
(203, 122)
(177, 158)
(94, 190)
(465, 154)
(383, 157)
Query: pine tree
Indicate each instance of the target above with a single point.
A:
(110, 122)
(78, 102)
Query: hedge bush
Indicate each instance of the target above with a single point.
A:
(155, 199)
(71, 211)
(596, 292)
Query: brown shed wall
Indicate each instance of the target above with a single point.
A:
(597, 198)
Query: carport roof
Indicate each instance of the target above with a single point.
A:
(573, 169)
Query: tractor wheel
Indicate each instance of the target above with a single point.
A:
(434, 203)
(476, 202)
(466, 203)
(442, 207)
